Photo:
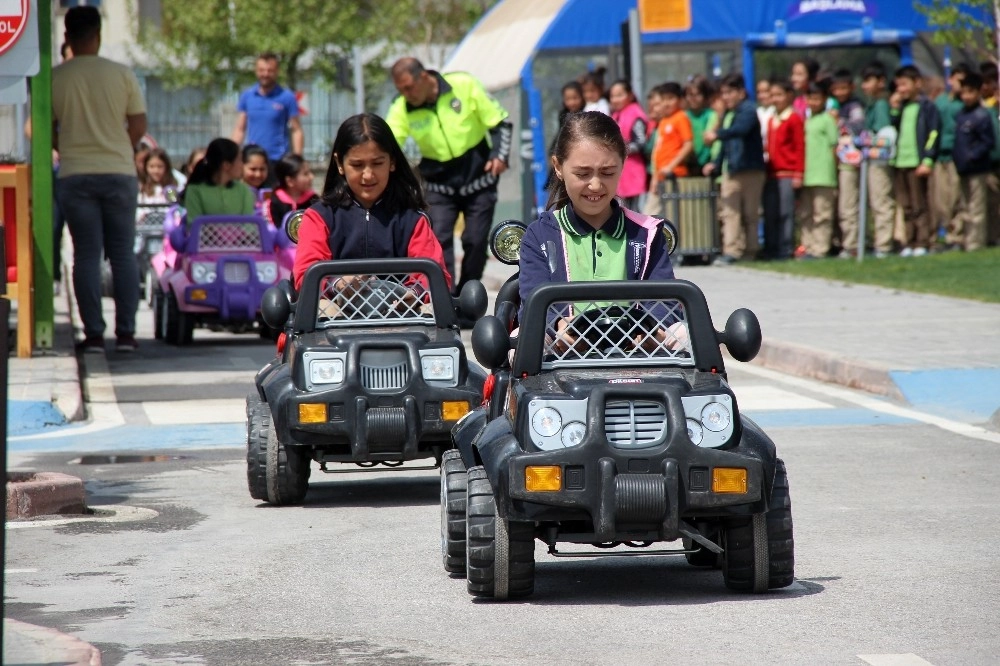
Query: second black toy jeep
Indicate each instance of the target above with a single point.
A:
(621, 435)
(370, 370)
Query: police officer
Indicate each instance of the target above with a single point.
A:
(464, 139)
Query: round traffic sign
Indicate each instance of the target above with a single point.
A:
(13, 20)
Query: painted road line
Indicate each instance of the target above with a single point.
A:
(173, 412)
(103, 417)
(876, 404)
(968, 394)
(137, 438)
(822, 418)
(181, 378)
(755, 398)
(908, 659)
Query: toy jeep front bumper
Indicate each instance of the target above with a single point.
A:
(629, 493)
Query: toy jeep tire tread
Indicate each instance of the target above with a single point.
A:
(500, 554)
(156, 305)
(454, 485)
(178, 328)
(287, 472)
(759, 551)
(258, 427)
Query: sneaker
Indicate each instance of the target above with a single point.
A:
(906, 252)
(848, 254)
(94, 345)
(126, 343)
(879, 254)
(724, 260)
(920, 252)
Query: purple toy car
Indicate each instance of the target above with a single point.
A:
(222, 267)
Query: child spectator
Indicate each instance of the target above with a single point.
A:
(975, 139)
(880, 173)
(371, 205)
(804, 72)
(159, 175)
(765, 109)
(917, 121)
(819, 183)
(256, 167)
(674, 141)
(741, 164)
(946, 205)
(850, 123)
(654, 111)
(294, 190)
(572, 101)
(632, 121)
(988, 70)
(698, 93)
(214, 187)
(593, 92)
(786, 145)
(194, 157)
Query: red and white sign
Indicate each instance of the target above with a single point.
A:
(13, 20)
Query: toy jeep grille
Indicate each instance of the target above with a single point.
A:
(151, 221)
(229, 237)
(236, 272)
(634, 424)
(374, 299)
(383, 369)
(618, 334)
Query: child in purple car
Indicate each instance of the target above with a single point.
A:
(585, 233)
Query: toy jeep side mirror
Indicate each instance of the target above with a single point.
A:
(742, 336)
(490, 342)
(275, 305)
(291, 223)
(473, 301)
(671, 235)
(170, 194)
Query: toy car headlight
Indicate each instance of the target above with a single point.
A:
(695, 432)
(203, 272)
(573, 434)
(546, 421)
(267, 271)
(438, 368)
(715, 417)
(326, 371)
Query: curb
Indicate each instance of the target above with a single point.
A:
(32, 494)
(30, 644)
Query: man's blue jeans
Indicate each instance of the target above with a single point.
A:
(100, 213)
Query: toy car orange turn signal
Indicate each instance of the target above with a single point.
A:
(729, 480)
(546, 478)
(453, 410)
(312, 412)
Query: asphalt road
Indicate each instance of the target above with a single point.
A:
(894, 562)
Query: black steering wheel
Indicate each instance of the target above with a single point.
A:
(376, 298)
(608, 329)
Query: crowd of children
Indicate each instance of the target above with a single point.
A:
(793, 159)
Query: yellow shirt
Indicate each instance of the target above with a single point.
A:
(91, 96)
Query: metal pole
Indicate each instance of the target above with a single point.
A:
(359, 80)
(41, 182)
(863, 207)
(635, 52)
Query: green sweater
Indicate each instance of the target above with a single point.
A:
(821, 161)
(948, 106)
(877, 115)
(207, 199)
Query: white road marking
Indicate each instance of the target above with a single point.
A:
(7, 572)
(908, 659)
(103, 416)
(876, 404)
(178, 412)
(770, 398)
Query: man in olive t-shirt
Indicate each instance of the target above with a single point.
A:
(99, 115)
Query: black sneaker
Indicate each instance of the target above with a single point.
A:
(92, 345)
(126, 343)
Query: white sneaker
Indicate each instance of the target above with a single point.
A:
(881, 255)
(906, 252)
(920, 252)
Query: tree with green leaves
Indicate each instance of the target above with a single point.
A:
(965, 24)
(212, 43)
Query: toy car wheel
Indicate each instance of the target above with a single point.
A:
(454, 485)
(258, 428)
(178, 327)
(156, 305)
(287, 472)
(759, 552)
(500, 554)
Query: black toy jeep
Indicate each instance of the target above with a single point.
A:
(620, 434)
(370, 370)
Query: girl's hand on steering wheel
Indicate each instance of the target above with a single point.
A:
(564, 339)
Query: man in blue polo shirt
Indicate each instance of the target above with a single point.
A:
(267, 112)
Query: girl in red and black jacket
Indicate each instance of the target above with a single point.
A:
(294, 190)
(372, 203)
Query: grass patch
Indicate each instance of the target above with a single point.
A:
(972, 275)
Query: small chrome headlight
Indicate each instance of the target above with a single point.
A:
(715, 417)
(573, 434)
(546, 422)
(267, 271)
(438, 368)
(695, 432)
(326, 371)
(203, 272)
